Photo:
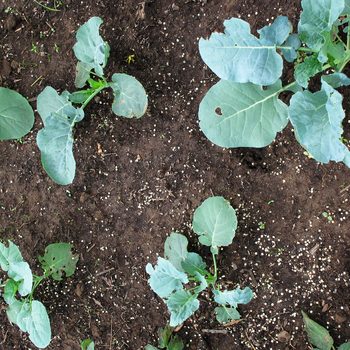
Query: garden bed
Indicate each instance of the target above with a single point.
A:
(137, 180)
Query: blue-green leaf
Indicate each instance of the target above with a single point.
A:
(276, 33)
(175, 249)
(345, 346)
(233, 297)
(290, 48)
(336, 80)
(346, 10)
(203, 282)
(239, 56)
(9, 255)
(13, 310)
(182, 305)
(90, 48)
(306, 70)
(165, 278)
(130, 98)
(150, 347)
(242, 115)
(20, 272)
(226, 314)
(318, 335)
(215, 222)
(317, 120)
(193, 264)
(82, 74)
(317, 19)
(16, 115)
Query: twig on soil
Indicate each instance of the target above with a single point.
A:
(215, 331)
(104, 272)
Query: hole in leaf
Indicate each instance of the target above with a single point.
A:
(218, 111)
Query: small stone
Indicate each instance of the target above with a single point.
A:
(283, 337)
(175, 7)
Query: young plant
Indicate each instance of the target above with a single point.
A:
(244, 110)
(60, 113)
(28, 314)
(167, 340)
(87, 344)
(16, 115)
(182, 276)
(319, 336)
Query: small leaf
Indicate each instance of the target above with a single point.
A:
(306, 70)
(239, 56)
(87, 344)
(317, 120)
(164, 336)
(10, 291)
(203, 282)
(21, 273)
(80, 96)
(226, 314)
(9, 255)
(130, 98)
(336, 80)
(233, 297)
(59, 259)
(194, 264)
(176, 343)
(182, 305)
(276, 33)
(90, 48)
(318, 335)
(215, 222)
(345, 346)
(150, 347)
(290, 48)
(16, 115)
(175, 249)
(83, 71)
(165, 278)
(317, 19)
(242, 115)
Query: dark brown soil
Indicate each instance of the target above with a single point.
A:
(151, 175)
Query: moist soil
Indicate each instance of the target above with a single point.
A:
(137, 180)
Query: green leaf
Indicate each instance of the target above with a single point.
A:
(87, 344)
(276, 33)
(239, 56)
(242, 115)
(150, 347)
(215, 222)
(306, 70)
(130, 98)
(165, 278)
(82, 74)
(182, 305)
(290, 48)
(233, 297)
(55, 140)
(21, 273)
(317, 19)
(318, 335)
(176, 343)
(80, 96)
(10, 291)
(317, 120)
(9, 255)
(16, 115)
(59, 259)
(175, 249)
(336, 80)
(164, 336)
(345, 346)
(194, 264)
(226, 314)
(90, 48)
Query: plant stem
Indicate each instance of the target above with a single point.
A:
(348, 36)
(96, 92)
(215, 269)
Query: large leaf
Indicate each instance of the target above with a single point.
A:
(234, 297)
(16, 115)
(317, 120)
(306, 70)
(345, 346)
(9, 255)
(175, 249)
(346, 10)
(165, 278)
(182, 304)
(276, 33)
(226, 314)
(215, 222)
(239, 56)
(194, 264)
(58, 260)
(336, 80)
(90, 47)
(318, 335)
(130, 98)
(317, 19)
(13, 310)
(20, 272)
(242, 115)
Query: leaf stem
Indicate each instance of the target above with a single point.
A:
(215, 269)
(92, 96)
